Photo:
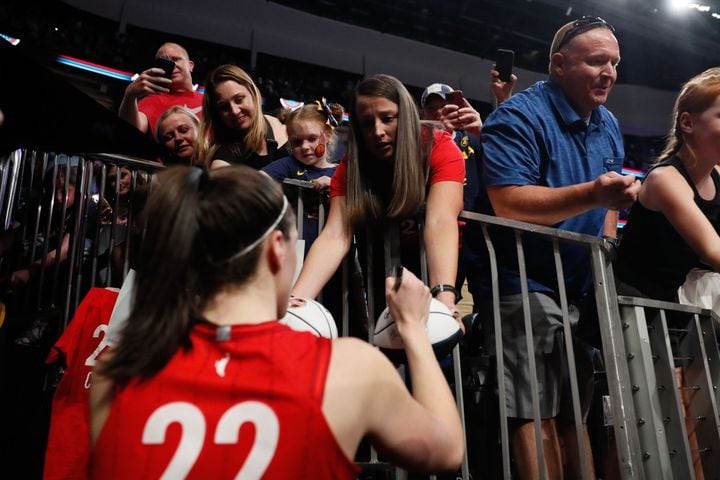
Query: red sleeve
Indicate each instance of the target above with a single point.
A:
(446, 160)
(339, 180)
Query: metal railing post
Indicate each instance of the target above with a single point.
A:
(500, 360)
(570, 352)
(624, 419)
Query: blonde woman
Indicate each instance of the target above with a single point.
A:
(234, 129)
(177, 130)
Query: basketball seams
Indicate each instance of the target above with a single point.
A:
(313, 317)
(305, 322)
(324, 314)
(378, 332)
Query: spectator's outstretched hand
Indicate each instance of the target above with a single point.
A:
(501, 90)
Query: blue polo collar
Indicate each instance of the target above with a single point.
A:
(566, 111)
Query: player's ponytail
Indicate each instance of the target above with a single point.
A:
(162, 310)
(203, 231)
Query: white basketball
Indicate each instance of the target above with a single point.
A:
(442, 329)
(307, 315)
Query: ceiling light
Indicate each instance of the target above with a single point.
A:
(678, 5)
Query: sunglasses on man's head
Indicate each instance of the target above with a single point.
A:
(581, 25)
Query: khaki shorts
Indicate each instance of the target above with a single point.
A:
(550, 358)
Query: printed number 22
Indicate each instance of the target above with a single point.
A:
(192, 420)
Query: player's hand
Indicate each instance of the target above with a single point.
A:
(501, 90)
(461, 118)
(408, 299)
(148, 82)
(614, 191)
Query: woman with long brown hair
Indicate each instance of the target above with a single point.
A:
(234, 129)
(395, 166)
(202, 351)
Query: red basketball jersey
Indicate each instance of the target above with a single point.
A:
(247, 407)
(68, 443)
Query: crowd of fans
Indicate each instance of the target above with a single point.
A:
(550, 155)
(68, 31)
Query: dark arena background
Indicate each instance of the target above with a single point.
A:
(64, 66)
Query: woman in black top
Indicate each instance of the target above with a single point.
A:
(674, 225)
(234, 129)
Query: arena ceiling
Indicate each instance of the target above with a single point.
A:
(661, 46)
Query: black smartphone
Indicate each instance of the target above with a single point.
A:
(504, 63)
(455, 97)
(166, 65)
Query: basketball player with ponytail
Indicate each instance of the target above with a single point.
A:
(204, 383)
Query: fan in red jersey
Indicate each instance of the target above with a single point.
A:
(205, 383)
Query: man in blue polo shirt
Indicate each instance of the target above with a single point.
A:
(553, 156)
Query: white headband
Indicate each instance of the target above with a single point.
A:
(262, 237)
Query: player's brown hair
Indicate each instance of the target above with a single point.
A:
(195, 224)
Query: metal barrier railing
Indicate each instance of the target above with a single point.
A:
(674, 370)
(651, 439)
(613, 347)
(70, 217)
(70, 242)
(664, 426)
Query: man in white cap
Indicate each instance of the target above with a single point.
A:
(436, 105)
(463, 122)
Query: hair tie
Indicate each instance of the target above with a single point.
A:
(198, 177)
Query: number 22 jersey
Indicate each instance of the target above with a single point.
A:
(246, 407)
